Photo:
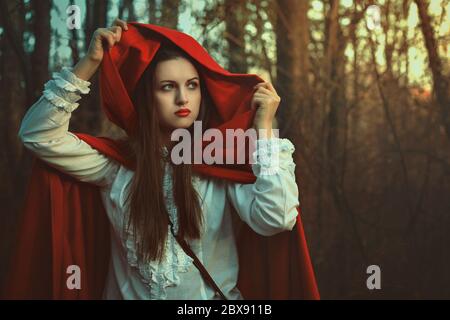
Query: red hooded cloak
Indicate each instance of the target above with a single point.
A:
(64, 221)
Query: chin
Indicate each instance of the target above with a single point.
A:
(182, 123)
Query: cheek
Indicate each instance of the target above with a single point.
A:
(163, 104)
(196, 100)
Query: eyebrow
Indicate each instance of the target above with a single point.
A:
(175, 81)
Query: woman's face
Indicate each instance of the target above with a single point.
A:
(176, 87)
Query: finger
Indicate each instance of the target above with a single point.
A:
(117, 32)
(115, 28)
(105, 31)
(111, 37)
(108, 36)
(262, 96)
(271, 88)
(264, 90)
(268, 96)
(266, 85)
(260, 84)
(120, 23)
(103, 34)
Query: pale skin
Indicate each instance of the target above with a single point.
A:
(176, 85)
(179, 90)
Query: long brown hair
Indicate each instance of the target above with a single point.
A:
(148, 216)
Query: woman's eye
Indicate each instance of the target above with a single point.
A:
(167, 87)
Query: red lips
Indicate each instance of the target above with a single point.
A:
(183, 112)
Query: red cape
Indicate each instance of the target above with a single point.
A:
(64, 221)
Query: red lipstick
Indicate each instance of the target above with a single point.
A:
(183, 112)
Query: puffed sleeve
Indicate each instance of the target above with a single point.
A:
(269, 205)
(44, 131)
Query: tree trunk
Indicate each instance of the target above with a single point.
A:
(42, 34)
(152, 11)
(89, 118)
(129, 7)
(169, 13)
(292, 31)
(235, 20)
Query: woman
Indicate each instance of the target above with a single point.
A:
(156, 204)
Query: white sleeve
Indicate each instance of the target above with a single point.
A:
(44, 131)
(269, 206)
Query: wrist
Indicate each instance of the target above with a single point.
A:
(264, 130)
(93, 60)
(86, 67)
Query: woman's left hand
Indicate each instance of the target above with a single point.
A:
(267, 101)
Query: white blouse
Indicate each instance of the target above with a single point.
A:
(268, 206)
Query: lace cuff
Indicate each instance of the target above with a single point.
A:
(65, 88)
(271, 155)
(68, 76)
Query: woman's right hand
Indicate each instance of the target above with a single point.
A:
(110, 36)
(86, 67)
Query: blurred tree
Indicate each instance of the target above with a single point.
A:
(24, 48)
(169, 13)
(152, 11)
(40, 54)
(88, 118)
(129, 7)
(236, 18)
(73, 42)
(440, 81)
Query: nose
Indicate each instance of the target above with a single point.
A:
(181, 98)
